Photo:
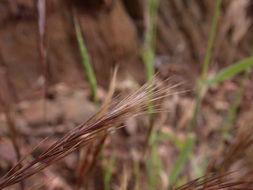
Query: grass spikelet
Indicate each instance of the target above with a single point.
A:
(102, 122)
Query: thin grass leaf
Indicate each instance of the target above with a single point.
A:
(154, 163)
(211, 39)
(148, 57)
(6, 105)
(201, 88)
(86, 60)
(182, 158)
(148, 53)
(200, 85)
(174, 139)
(108, 172)
(230, 71)
(232, 112)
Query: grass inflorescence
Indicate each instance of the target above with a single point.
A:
(102, 122)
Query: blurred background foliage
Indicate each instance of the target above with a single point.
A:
(206, 44)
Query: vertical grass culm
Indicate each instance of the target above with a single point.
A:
(148, 53)
(189, 143)
(200, 86)
(148, 58)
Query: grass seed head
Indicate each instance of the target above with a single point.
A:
(102, 122)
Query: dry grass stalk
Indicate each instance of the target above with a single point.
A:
(94, 150)
(6, 103)
(41, 8)
(117, 112)
(125, 177)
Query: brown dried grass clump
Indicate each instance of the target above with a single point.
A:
(110, 117)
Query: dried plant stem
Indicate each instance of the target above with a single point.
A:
(5, 102)
(41, 8)
(89, 162)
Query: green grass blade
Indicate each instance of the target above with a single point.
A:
(108, 172)
(154, 163)
(211, 39)
(232, 112)
(182, 158)
(148, 53)
(231, 71)
(200, 85)
(175, 140)
(86, 60)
